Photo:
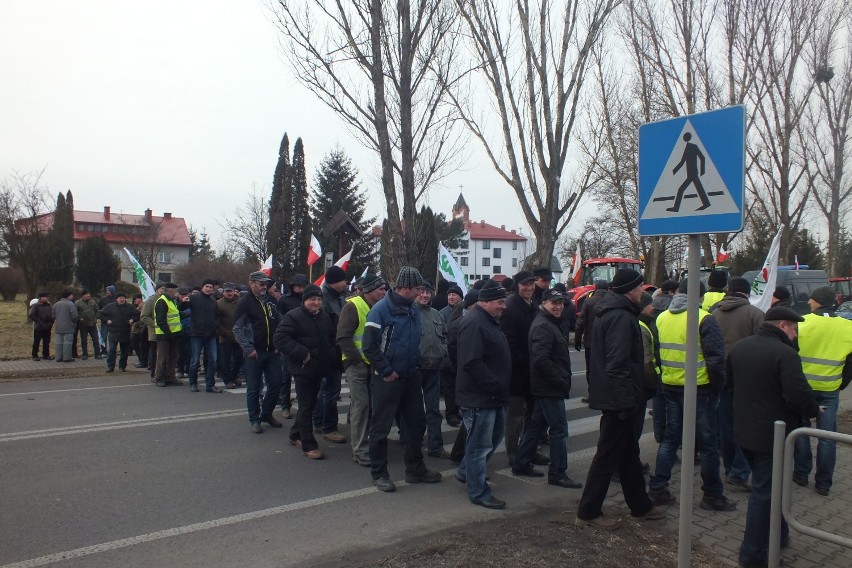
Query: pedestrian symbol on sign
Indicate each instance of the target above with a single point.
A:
(691, 156)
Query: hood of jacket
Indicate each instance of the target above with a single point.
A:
(729, 303)
(678, 304)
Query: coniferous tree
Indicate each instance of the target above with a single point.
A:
(301, 216)
(97, 265)
(201, 247)
(279, 226)
(59, 258)
(334, 189)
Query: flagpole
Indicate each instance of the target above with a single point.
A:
(310, 273)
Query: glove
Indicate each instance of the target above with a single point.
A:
(577, 346)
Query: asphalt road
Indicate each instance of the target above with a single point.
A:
(109, 471)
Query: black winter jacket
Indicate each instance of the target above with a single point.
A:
(585, 322)
(515, 324)
(205, 315)
(765, 373)
(255, 321)
(550, 362)
(616, 371)
(289, 302)
(301, 333)
(484, 365)
(120, 315)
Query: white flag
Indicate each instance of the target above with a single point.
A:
(764, 283)
(146, 285)
(449, 268)
(578, 265)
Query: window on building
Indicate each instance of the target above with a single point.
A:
(514, 245)
(164, 257)
(464, 244)
(514, 263)
(486, 244)
(497, 252)
(463, 261)
(497, 269)
(164, 276)
(486, 262)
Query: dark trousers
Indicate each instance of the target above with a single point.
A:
(307, 389)
(755, 546)
(618, 451)
(140, 344)
(85, 332)
(448, 391)
(113, 349)
(152, 357)
(167, 355)
(41, 336)
(232, 360)
(406, 395)
(267, 365)
(285, 397)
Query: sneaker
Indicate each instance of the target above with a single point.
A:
(384, 484)
(213, 389)
(655, 513)
(602, 522)
(821, 490)
(256, 428)
(800, 480)
(110, 370)
(661, 496)
(230, 386)
(719, 503)
(36, 358)
(335, 437)
(193, 388)
(361, 460)
(741, 484)
(427, 476)
(584, 400)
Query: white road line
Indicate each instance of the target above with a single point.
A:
(87, 428)
(73, 390)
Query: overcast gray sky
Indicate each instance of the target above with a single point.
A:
(175, 105)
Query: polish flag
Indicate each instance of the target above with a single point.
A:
(578, 265)
(797, 261)
(315, 252)
(343, 263)
(722, 256)
(266, 267)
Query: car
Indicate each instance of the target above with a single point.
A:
(845, 310)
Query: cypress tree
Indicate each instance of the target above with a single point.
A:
(59, 252)
(279, 226)
(301, 216)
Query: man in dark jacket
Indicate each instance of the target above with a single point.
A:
(325, 413)
(550, 385)
(232, 355)
(586, 319)
(87, 325)
(765, 374)
(255, 321)
(41, 314)
(118, 316)
(290, 301)
(205, 318)
(616, 376)
(482, 389)
(433, 351)
(306, 337)
(392, 346)
(107, 298)
(543, 278)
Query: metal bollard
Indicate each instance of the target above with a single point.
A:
(780, 432)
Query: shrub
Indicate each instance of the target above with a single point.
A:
(11, 282)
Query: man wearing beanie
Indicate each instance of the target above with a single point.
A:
(781, 297)
(392, 347)
(825, 345)
(616, 389)
(671, 326)
(543, 277)
(325, 413)
(716, 280)
(765, 367)
(289, 301)
(737, 319)
(356, 367)
(454, 297)
(663, 296)
(482, 389)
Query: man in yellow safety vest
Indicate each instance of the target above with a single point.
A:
(167, 329)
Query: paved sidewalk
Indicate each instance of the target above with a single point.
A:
(30, 365)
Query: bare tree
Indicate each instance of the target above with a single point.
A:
(24, 206)
(146, 240)
(245, 229)
(533, 57)
(384, 68)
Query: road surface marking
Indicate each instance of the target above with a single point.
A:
(73, 390)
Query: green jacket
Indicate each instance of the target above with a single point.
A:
(88, 311)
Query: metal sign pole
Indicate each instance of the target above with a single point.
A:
(690, 391)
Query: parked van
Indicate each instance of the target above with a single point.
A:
(800, 283)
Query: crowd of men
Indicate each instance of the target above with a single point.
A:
(500, 358)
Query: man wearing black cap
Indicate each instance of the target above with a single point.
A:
(205, 316)
(325, 414)
(781, 297)
(41, 314)
(737, 319)
(825, 345)
(356, 367)
(392, 346)
(663, 296)
(716, 280)
(167, 329)
(255, 320)
(543, 277)
(290, 301)
(765, 367)
(232, 354)
(148, 317)
(119, 317)
(616, 389)
(482, 390)
(671, 326)
(454, 297)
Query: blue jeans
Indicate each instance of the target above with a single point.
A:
(325, 412)
(755, 546)
(706, 429)
(210, 350)
(736, 465)
(432, 400)
(547, 412)
(485, 430)
(113, 348)
(232, 360)
(826, 449)
(267, 364)
(658, 404)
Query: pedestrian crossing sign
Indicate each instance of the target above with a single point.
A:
(692, 174)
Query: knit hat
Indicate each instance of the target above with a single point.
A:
(67, 293)
(371, 282)
(553, 295)
(781, 293)
(543, 272)
(43, 295)
(717, 279)
(561, 287)
(119, 295)
(523, 276)
(668, 286)
(311, 291)
(782, 313)
(491, 290)
(684, 287)
(508, 284)
(428, 285)
(645, 300)
(409, 277)
(259, 276)
(299, 280)
(334, 275)
(739, 286)
(825, 296)
(110, 288)
(471, 298)
(455, 290)
(625, 280)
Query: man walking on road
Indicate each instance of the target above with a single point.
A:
(616, 379)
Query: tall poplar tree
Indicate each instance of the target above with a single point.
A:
(59, 258)
(279, 226)
(301, 214)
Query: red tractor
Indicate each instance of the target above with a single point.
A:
(599, 269)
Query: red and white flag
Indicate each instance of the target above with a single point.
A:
(343, 262)
(797, 261)
(266, 267)
(723, 255)
(315, 252)
(577, 267)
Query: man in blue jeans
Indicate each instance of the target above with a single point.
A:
(482, 390)
(205, 317)
(255, 320)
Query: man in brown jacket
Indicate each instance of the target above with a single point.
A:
(231, 354)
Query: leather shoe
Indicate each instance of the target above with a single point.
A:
(601, 522)
(441, 454)
(335, 437)
(296, 443)
(540, 459)
(193, 388)
(427, 476)
(230, 386)
(453, 421)
(490, 503)
(384, 484)
(213, 389)
(655, 513)
(565, 482)
(256, 428)
(238, 383)
(528, 471)
(361, 460)
(272, 421)
(314, 454)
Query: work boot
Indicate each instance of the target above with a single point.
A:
(717, 503)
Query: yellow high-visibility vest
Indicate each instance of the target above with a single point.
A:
(358, 337)
(711, 298)
(671, 328)
(172, 316)
(824, 344)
